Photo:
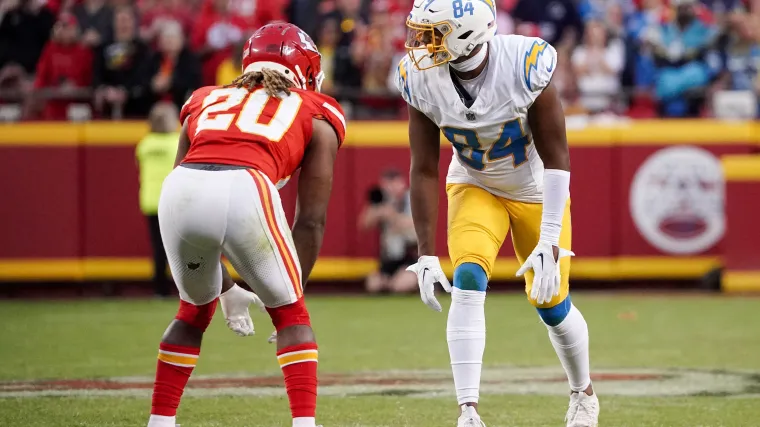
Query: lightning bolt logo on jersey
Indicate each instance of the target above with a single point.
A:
(494, 151)
(531, 59)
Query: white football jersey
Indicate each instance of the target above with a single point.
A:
(493, 145)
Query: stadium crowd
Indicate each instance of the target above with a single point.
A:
(78, 59)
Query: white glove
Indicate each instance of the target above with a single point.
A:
(429, 272)
(235, 304)
(272, 338)
(546, 277)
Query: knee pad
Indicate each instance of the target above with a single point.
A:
(198, 316)
(470, 277)
(289, 315)
(553, 316)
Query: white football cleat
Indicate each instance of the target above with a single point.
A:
(583, 410)
(470, 417)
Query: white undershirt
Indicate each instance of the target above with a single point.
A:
(473, 86)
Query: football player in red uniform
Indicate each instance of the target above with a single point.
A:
(239, 144)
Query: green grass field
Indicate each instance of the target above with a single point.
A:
(660, 360)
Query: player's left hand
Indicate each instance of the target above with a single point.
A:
(235, 304)
(546, 276)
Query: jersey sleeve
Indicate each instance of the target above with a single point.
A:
(193, 104)
(403, 81)
(329, 109)
(537, 63)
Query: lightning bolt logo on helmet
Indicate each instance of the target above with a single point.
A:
(440, 31)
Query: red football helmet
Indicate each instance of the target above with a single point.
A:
(288, 49)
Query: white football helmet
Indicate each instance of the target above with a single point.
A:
(444, 30)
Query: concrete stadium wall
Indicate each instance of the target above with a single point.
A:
(69, 207)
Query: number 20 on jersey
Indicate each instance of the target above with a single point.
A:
(219, 102)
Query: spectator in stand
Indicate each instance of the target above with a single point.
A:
(740, 58)
(389, 209)
(613, 17)
(57, 7)
(24, 29)
(682, 73)
(505, 24)
(121, 86)
(639, 73)
(559, 21)
(65, 65)
(721, 9)
(372, 49)
(302, 13)
(155, 159)
(95, 18)
(174, 72)
(155, 14)
(353, 26)
(231, 68)
(329, 35)
(257, 13)
(215, 32)
(597, 64)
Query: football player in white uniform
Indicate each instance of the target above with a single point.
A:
(493, 100)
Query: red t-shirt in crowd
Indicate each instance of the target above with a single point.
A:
(222, 31)
(58, 64)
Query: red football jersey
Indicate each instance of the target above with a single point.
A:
(232, 126)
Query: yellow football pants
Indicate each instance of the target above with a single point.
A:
(478, 223)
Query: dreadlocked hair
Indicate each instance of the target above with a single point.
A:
(274, 82)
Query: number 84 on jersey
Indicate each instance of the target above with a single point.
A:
(476, 150)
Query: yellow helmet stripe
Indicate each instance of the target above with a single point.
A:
(491, 5)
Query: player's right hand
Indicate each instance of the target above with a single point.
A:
(429, 272)
(235, 304)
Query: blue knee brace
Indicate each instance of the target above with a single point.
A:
(470, 277)
(553, 316)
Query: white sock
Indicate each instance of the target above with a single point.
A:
(162, 421)
(466, 334)
(304, 422)
(570, 341)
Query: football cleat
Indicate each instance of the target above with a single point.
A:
(583, 410)
(470, 417)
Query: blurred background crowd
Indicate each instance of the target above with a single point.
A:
(82, 59)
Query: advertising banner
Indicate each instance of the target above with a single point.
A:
(647, 200)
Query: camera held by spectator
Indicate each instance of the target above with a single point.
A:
(389, 209)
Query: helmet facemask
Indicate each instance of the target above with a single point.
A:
(425, 44)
